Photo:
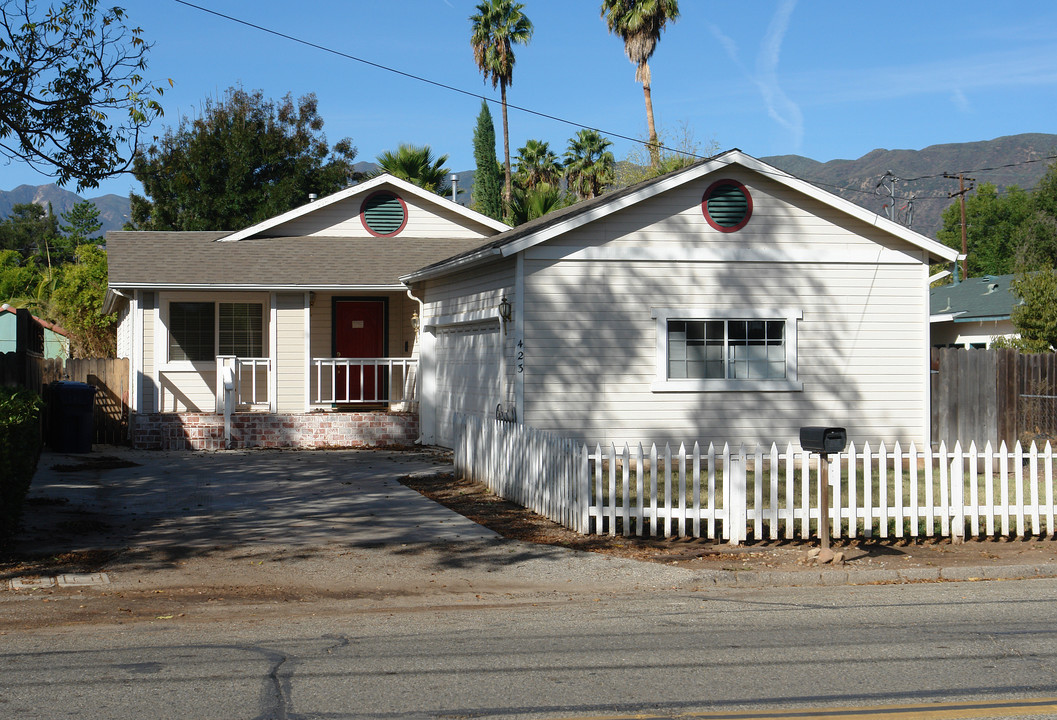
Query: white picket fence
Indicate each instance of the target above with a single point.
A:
(764, 493)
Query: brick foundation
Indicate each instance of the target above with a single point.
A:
(205, 431)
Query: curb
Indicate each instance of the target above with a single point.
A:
(838, 576)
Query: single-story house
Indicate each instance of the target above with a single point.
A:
(728, 301)
(293, 332)
(37, 335)
(973, 312)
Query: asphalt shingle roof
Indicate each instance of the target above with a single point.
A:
(195, 258)
(989, 296)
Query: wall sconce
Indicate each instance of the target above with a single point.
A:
(415, 322)
(311, 299)
(504, 309)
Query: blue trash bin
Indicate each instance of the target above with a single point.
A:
(70, 427)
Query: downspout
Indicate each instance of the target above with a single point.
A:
(418, 343)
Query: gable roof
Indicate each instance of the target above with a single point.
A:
(974, 300)
(364, 188)
(557, 223)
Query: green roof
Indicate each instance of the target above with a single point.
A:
(979, 298)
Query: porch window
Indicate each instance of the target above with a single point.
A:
(707, 351)
(191, 331)
(199, 331)
(241, 329)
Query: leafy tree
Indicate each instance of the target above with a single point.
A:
(31, 230)
(417, 165)
(589, 166)
(537, 164)
(537, 201)
(82, 223)
(994, 224)
(639, 24)
(497, 26)
(72, 97)
(488, 177)
(1036, 318)
(1038, 237)
(18, 280)
(674, 154)
(245, 159)
(78, 304)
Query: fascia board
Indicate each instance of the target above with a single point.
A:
(444, 269)
(253, 287)
(359, 189)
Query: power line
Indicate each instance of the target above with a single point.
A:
(548, 116)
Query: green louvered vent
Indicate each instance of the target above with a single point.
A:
(383, 213)
(728, 205)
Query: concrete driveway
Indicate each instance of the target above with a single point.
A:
(196, 500)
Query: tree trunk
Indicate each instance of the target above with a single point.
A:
(506, 154)
(655, 152)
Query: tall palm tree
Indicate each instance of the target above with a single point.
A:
(639, 24)
(536, 164)
(537, 201)
(416, 165)
(496, 28)
(589, 166)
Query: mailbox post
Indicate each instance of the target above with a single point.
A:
(823, 440)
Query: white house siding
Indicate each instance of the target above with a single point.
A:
(466, 371)
(590, 345)
(147, 387)
(124, 331)
(290, 366)
(342, 219)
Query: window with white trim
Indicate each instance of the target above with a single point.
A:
(199, 331)
(730, 350)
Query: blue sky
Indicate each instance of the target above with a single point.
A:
(823, 78)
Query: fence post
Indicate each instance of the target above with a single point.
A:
(958, 496)
(737, 514)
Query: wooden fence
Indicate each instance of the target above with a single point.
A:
(763, 493)
(108, 375)
(993, 396)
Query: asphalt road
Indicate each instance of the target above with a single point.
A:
(942, 650)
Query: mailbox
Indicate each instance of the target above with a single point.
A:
(823, 439)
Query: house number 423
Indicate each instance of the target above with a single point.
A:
(521, 356)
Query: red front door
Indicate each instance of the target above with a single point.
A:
(359, 332)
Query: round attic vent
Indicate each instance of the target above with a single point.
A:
(727, 205)
(383, 214)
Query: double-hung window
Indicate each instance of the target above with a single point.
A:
(199, 331)
(729, 350)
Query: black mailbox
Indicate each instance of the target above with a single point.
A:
(823, 439)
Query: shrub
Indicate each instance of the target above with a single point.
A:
(20, 445)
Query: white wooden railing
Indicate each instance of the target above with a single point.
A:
(340, 381)
(763, 492)
(251, 381)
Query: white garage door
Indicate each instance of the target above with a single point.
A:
(469, 376)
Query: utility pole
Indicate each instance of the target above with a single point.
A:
(960, 177)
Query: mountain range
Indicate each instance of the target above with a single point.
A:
(1011, 160)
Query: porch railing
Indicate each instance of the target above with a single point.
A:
(251, 381)
(363, 381)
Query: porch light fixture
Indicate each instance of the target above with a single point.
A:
(415, 322)
(311, 299)
(504, 309)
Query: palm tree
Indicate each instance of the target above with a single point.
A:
(496, 28)
(536, 164)
(416, 165)
(589, 167)
(639, 24)
(537, 201)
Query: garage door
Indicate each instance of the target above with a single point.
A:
(469, 375)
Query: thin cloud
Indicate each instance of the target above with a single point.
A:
(779, 106)
(960, 101)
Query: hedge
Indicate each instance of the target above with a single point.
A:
(20, 445)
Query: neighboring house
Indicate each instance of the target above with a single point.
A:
(728, 302)
(303, 314)
(973, 312)
(40, 336)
